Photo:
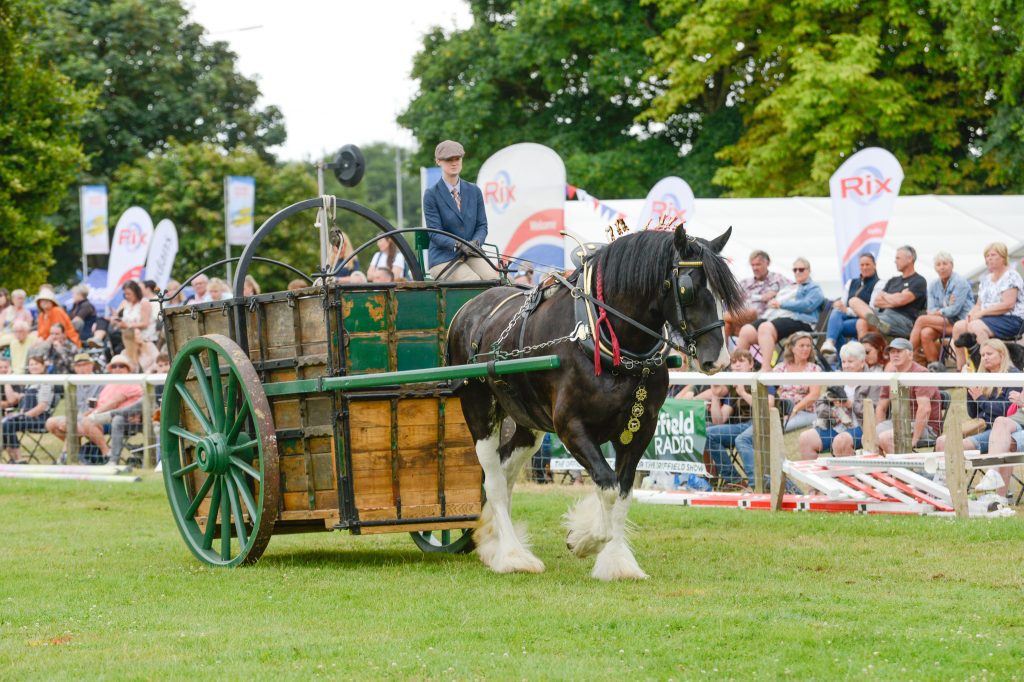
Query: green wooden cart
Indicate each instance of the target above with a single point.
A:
(325, 408)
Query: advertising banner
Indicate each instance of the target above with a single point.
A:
(863, 190)
(132, 237)
(677, 446)
(524, 196)
(670, 198)
(162, 253)
(239, 208)
(92, 204)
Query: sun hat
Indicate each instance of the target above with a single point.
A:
(46, 295)
(121, 359)
(448, 149)
(83, 357)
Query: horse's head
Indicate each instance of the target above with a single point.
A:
(701, 287)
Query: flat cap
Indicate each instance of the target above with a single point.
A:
(900, 344)
(448, 149)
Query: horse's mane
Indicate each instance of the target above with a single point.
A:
(637, 264)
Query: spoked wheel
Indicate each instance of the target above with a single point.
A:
(220, 452)
(458, 541)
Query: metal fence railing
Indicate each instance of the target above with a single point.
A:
(71, 382)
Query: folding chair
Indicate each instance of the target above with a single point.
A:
(35, 442)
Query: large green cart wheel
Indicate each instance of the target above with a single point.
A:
(219, 444)
(458, 541)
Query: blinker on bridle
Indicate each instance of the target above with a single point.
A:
(685, 296)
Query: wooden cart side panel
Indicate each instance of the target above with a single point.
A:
(417, 491)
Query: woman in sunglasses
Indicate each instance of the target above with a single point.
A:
(794, 309)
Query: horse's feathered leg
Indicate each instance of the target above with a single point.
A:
(616, 560)
(497, 543)
(588, 523)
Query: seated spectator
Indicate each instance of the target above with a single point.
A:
(128, 420)
(525, 277)
(796, 402)
(876, 355)
(731, 417)
(794, 309)
(82, 313)
(59, 352)
(925, 404)
(381, 275)
(175, 294)
(218, 289)
(841, 412)
(903, 298)
(389, 258)
(200, 294)
(21, 341)
(759, 290)
(340, 263)
(13, 313)
(999, 311)
(58, 426)
(5, 303)
(987, 404)
(50, 313)
(34, 405)
(250, 287)
(842, 323)
(949, 299)
(9, 395)
(110, 399)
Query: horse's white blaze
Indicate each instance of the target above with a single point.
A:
(616, 560)
(589, 523)
(498, 546)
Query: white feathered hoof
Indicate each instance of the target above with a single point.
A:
(587, 532)
(616, 562)
(510, 557)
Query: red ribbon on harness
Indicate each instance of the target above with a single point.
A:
(603, 317)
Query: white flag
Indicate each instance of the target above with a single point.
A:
(670, 197)
(132, 236)
(239, 208)
(864, 191)
(92, 203)
(162, 252)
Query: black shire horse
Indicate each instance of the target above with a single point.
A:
(654, 278)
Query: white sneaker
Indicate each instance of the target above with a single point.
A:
(828, 347)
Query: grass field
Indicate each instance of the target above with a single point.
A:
(95, 582)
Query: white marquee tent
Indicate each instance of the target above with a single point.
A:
(802, 226)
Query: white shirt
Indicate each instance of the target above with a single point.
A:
(380, 260)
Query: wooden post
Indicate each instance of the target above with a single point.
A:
(761, 417)
(71, 414)
(902, 419)
(956, 473)
(777, 447)
(148, 397)
(869, 440)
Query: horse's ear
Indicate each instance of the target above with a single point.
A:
(680, 240)
(718, 243)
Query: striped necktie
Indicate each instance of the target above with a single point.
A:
(458, 200)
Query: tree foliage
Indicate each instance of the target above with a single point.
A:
(157, 79)
(40, 111)
(815, 82)
(566, 74)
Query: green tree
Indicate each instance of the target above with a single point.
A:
(566, 74)
(158, 78)
(815, 82)
(40, 153)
